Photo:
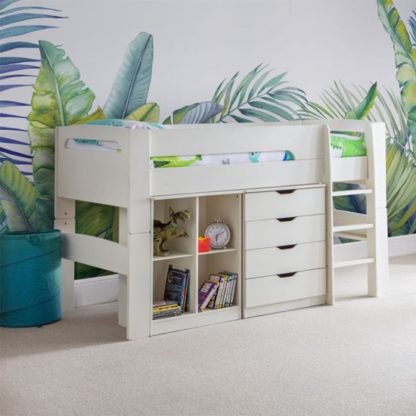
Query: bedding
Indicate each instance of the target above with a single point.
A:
(343, 144)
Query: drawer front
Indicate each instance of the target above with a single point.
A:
(281, 204)
(274, 289)
(272, 233)
(285, 259)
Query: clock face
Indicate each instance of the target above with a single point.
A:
(219, 234)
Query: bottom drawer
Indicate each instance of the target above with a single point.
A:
(274, 289)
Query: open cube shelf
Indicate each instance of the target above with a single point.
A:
(183, 253)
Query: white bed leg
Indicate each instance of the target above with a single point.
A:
(138, 283)
(67, 268)
(122, 279)
(378, 272)
(122, 300)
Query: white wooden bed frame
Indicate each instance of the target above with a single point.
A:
(125, 180)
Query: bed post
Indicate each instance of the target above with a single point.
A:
(136, 292)
(378, 272)
(65, 222)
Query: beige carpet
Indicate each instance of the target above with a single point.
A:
(357, 358)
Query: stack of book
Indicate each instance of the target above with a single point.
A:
(218, 292)
(176, 294)
(165, 309)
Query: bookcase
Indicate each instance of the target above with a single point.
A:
(204, 210)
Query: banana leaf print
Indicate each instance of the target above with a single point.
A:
(17, 196)
(19, 63)
(405, 56)
(132, 82)
(60, 98)
(197, 113)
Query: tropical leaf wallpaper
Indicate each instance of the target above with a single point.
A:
(60, 97)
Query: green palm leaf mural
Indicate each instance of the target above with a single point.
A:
(194, 113)
(17, 197)
(412, 24)
(60, 98)
(19, 62)
(405, 56)
(132, 82)
(257, 97)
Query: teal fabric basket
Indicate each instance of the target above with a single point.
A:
(30, 279)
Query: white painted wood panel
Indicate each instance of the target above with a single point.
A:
(285, 259)
(283, 306)
(349, 169)
(202, 179)
(284, 203)
(95, 252)
(275, 289)
(305, 142)
(271, 233)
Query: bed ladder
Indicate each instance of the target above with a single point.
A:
(371, 227)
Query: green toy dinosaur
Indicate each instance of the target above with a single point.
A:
(349, 147)
(164, 232)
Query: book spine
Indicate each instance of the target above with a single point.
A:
(235, 282)
(212, 302)
(220, 293)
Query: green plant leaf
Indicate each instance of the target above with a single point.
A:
(401, 183)
(405, 57)
(256, 90)
(132, 82)
(362, 110)
(98, 114)
(60, 98)
(196, 113)
(3, 220)
(260, 115)
(412, 23)
(242, 87)
(98, 221)
(147, 112)
(179, 114)
(17, 197)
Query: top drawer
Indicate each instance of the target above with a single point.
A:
(284, 203)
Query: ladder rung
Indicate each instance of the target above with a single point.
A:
(355, 262)
(351, 227)
(352, 192)
(361, 236)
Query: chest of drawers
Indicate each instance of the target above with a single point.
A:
(284, 243)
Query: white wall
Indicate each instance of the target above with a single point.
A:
(199, 42)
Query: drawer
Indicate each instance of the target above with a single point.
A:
(284, 203)
(284, 259)
(272, 233)
(274, 289)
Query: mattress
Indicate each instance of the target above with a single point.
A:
(343, 144)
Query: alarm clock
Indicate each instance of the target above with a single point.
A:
(219, 234)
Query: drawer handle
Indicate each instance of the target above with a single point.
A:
(283, 275)
(286, 191)
(286, 219)
(287, 247)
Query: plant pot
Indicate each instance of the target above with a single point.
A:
(30, 279)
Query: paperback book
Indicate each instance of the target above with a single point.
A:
(205, 294)
(176, 288)
(224, 296)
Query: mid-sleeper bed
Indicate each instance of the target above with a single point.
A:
(271, 183)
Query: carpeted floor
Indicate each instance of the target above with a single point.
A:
(357, 358)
